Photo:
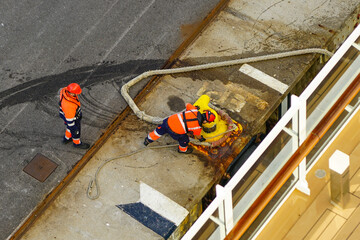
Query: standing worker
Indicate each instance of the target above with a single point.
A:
(179, 125)
(70, 112)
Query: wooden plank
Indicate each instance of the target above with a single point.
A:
(305, 225)
(355, 184)
(332, 228)
(355, 235)
(354, 155)
(320, 225)
(352, 224)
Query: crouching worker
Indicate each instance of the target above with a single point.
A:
(70, 112)
(179, 125)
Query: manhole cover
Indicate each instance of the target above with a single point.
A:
(40, 167)
(320, 173)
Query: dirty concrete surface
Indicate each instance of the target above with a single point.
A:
(242, 29)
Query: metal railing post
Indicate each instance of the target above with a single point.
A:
(225, 210)
(229, 212)
(299, 126)
(220, 192)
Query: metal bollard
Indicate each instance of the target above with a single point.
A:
(339, 164)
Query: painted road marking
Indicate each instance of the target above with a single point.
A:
(162, 204)
(156, 211)
(149, 218)
(132, 24)
(264, 78)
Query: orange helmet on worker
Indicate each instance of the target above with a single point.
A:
(209, 116)
(74, 88)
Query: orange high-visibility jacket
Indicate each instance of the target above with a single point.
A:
(192, 122)
(69, 107)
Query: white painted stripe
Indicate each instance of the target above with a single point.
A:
(162, 205)
(87, 33)
(263, 78)
(132, 24)
(137, 18)
(15, 116)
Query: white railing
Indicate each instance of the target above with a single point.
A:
(297, 114)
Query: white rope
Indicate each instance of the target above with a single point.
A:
(157, 120)
(95, 180)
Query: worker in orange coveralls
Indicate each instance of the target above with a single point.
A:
(179, 125)
(70, 112)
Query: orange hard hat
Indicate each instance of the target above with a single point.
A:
(209, 116)
(74, 88)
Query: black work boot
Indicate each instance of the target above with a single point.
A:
(82, 145)
(146, 141)
(188, 150)
(66, 141)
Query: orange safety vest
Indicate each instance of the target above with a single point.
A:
(187, 121)
(69, 106)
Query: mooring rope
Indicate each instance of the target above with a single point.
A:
(157, 120)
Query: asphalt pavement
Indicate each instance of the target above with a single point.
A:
(47, 44)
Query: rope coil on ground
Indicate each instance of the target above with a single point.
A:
(95, 179)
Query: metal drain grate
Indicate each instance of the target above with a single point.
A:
(40, 167)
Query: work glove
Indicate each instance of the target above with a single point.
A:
(202, 139)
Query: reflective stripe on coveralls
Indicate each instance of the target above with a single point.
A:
(188, 121)
(184, 122)
(183, 139)
(154, 135)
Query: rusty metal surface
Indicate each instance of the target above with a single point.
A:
(40, 167)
